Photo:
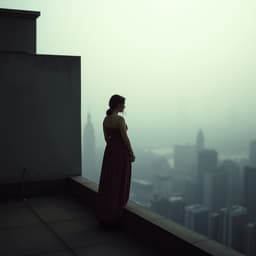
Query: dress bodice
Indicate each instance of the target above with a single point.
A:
(113, 134)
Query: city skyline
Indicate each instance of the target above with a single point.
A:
(209, 195)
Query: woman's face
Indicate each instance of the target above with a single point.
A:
(121, 107)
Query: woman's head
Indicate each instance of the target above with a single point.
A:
(116, 103)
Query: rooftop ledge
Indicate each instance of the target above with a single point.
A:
(19, 13)
(154, 229)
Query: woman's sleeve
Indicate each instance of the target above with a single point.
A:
(123, 129)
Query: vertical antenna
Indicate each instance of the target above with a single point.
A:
(23, 183)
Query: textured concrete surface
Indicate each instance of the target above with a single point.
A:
(59, 226)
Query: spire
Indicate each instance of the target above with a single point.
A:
(200, 140)
(89, 117)
(89, 149)
(89, 126)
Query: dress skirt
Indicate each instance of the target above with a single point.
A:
(115, 179)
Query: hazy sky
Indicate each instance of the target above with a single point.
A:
(182, 65)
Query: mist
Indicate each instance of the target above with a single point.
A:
(186, 69)
(182, 65)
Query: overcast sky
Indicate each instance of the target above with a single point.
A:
(181, 64)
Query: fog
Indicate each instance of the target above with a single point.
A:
(182, 65)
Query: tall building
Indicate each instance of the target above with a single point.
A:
(238, 219)
(252, 154)
(190, 191)
(143, 191)
(214, 231)
(232, 180)
(176, 206)
(250, 191)
(185, 160)
(196, 218)
(89, 147)
(224, 222)
(200, 143)
(163, 185)
(214, 190)
(232, 225)
(160, 205)
(250, 246)
(207, 163)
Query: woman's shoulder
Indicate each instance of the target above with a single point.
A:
(113, 117)
(113, 121)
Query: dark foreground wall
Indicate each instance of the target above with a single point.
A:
(40, 108)
(18, 30)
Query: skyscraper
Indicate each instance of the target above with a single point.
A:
(224, 222)
(160, 205)
(207, 162)
(214, 190)
(143, 191)
(250, 191)
(185, 160)
(190, 191)
(163, 185)
(214, 231)
(238, 219)
(252, 154)
(176, 206)
(89, 150)
(196, 218)
(232, 180)
(250, 246)
(200, 144)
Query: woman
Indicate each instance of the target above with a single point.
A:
(114, 185)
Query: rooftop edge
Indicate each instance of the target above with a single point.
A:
(19, 13)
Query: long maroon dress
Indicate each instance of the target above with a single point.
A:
(114, 185)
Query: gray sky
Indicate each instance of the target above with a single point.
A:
(182, 65)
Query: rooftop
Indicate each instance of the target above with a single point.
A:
(59, 225)
(57, 218)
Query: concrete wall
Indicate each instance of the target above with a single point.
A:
(40, 105)
(18, 30)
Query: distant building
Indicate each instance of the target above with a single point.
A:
(250, 246)
(214, 190)
(232, 178)
(163, 185)
(207, 162)
(238, 219)
(191, 191)
(143, 192)
(185, 160)
(196, 218)
(250, 191)
(252, 154)
(224, 223)
(200, 144)
(176, 206)
(160, 205)
(214, 231)
(89, 151)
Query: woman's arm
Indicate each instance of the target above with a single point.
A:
(123, 129)
(105, 134)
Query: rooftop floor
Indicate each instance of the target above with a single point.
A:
(60, 226)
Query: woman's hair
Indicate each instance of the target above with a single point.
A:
(114, 101)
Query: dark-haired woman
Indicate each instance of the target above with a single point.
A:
(114, 185)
